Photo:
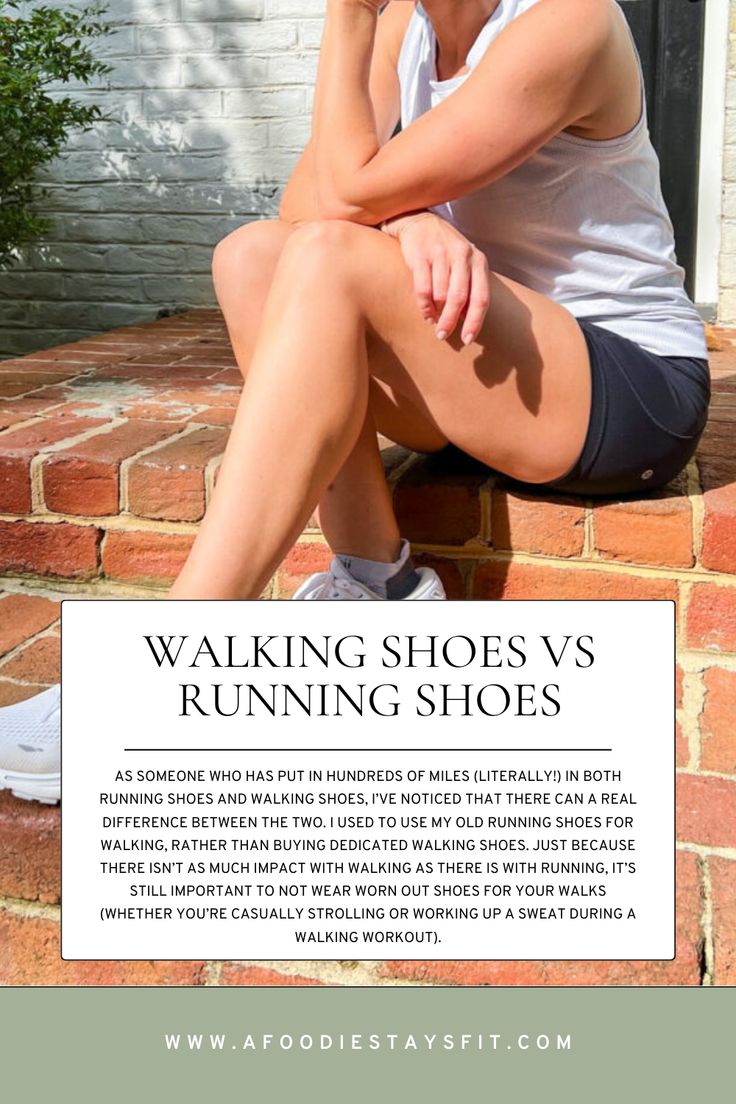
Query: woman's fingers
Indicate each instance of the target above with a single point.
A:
(478, 299)
(449, 281)
(422, 274)
(458, 291)
(440, 280)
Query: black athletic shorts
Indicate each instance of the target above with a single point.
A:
(647, 415)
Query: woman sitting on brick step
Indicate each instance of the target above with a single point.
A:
(499, 275)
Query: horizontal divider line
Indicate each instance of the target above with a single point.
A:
(456, 750)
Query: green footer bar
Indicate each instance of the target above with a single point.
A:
(390, 1044)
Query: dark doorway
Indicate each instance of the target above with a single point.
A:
(669, 36)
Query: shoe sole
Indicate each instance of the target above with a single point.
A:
(45, 788)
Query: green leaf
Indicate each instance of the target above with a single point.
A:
(43, 47)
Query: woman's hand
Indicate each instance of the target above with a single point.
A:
(450, 274)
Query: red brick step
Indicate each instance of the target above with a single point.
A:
(108, 452)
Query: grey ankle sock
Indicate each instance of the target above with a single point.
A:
(392, 581)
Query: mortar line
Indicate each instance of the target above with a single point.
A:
(588, 530)
(684, 594)
(28, 910)
(210, 473)
(649, 571)
(485, 495)
(697, 505)
(401, 469)
(360, 972)
(38, 500)
(126, 523)
(212, 973)
(79, 589)
(706, 922)
(328, 971)
(707, 660)
(693, 702)
(314, 536)
(81, 437)
(707, 774)
(705, 851)
(693, 660)
(31, 420)
(40, 635)
(472, 551)
(127, 463)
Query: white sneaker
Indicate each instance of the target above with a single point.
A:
(30, 744)
(338, 585)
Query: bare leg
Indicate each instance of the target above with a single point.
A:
(295, 427)
(243, 269)
(355, 513)
(518, 399)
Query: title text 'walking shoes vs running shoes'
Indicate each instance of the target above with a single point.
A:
(30, 743)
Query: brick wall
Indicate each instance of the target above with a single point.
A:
(212, 101)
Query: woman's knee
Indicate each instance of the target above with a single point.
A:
(330, 247)
(248, 256)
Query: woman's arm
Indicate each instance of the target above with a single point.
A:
(299, 202)
(548, 70)
(449, 274)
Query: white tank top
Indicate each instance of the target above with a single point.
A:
(581, 221)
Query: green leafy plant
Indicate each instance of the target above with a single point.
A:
(40, 52)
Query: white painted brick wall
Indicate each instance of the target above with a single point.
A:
(212, 100)
(727, 302)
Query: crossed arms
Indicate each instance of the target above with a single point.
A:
(550, 69)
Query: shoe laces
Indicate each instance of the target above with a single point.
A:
(334, 588)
